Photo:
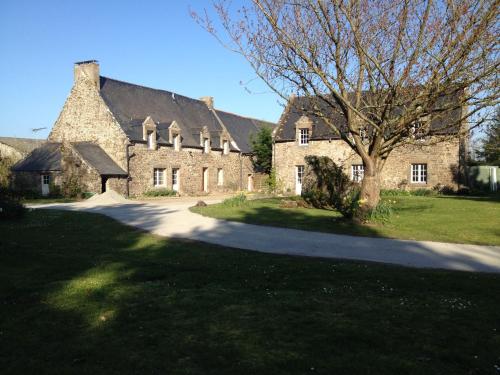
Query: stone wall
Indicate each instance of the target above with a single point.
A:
(442, 161)
(85, 117)
(27, 182)
(74, 167)
(190, 162)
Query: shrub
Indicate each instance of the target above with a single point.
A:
(325, 185)
(236, 201)
(394, 193)
(382, 212)
(444, 189)
(70, 188)
(10, 204)
(5, 165)
(423, 192)
(271, 181)
(164, 192)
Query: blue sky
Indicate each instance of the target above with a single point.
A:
(152, 43)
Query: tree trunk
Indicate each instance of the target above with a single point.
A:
(370, 191)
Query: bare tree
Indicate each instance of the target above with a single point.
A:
(396, 70)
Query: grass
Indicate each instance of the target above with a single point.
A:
(446, 219)
(83, 294)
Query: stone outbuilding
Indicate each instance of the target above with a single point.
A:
(133, 139)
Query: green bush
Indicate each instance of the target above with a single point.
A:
(325, 185)
(164, 192)
(71, 188)
(10, 204)
(236, 201)
(394, 193)
(423, 193)
(271, 181)
(382, 212)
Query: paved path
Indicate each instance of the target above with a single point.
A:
(173, 219)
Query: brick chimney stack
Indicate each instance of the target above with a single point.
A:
(88, 69)
(209, 101)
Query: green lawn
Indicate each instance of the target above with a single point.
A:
(81, 293)
(447, 219)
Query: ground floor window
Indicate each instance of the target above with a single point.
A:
(419, 173)
(220, 177)
(46, 179)
(175, 179)
(159, 177)
(357, 172)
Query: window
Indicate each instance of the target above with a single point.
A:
(176, 142)
(159, 177)
(206, 145)
(220, 177)
(150, 140)
(304, 136)
(419, 173)
(357, 172)
(225, 147)
(175, 179)
(46, 179)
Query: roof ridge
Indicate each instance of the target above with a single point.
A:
(155, 89)
(247, 117)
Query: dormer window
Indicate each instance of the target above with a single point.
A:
(206, 145)
(303, 130)
(149, 133)
(225, 147)
(304, 137)
(174, 135)
(151, 140)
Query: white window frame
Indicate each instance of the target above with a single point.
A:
(46, 179)
(303, 136)
(220, 176)
(418, 173)
(150, 135)
(357, 172)
(175, 179)
(206, 145)
(225, 147)
(159, 177)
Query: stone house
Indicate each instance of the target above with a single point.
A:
(132, 139)
(415, 165)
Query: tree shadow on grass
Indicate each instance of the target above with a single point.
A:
(84, 294)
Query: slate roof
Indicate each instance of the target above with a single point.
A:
(46, 157)
(131, 104)
(97, 158)
(299, 106)
(241, 128)
(23, 145)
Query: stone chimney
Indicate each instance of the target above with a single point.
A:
(88, 69)
(209, 101)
